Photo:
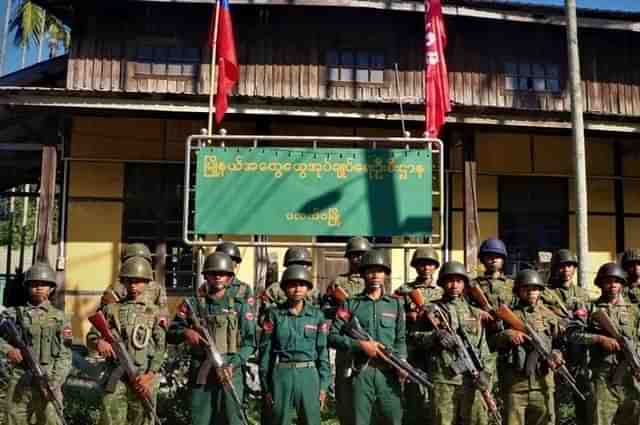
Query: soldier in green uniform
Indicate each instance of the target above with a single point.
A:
(237, 289)
(141, 325)
(49, 334)
(425, 261)
(352, 283)
(569, 302)
(294, 357)
(631, 264)
(611, 402)
(529, 391)
(154, 292)
(274, 294)
(455, 399)
(232, 326)
(374, 383)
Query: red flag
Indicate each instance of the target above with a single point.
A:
(226, 57)
(436, 84)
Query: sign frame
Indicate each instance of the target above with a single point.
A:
(198, 141)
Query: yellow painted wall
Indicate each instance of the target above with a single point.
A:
(602, 244)
(503, 152)
(552, 154)
(632, 232)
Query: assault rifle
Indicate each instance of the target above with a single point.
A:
(628, 347)
(480, 297)
(541, 350)
(127, 365)
(467, 357)
(10, 333)
(213, 360)
(353, 329)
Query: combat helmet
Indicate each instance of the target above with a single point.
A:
(218, 262)
(425, 253)
(563, 256)
(357, 244)
(297, 255)
(136, 268)
(492, 246)
(136, 250)
(296, 272)
(42, 272)
(374, 257)
(529, 277)
(611, 270)
(453, 268)
(231, 250)
(630, 255)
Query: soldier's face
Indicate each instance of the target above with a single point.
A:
(135, 287)
(374, 277)
(611, 286)
(453, 286)
(218, 280)
(425, 267)
(493, 262)
(566, 271)
(633, 268)
(355, 259)
(39, 291)
(296, 290)
(529, 294)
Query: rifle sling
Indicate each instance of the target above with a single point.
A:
(114, 378)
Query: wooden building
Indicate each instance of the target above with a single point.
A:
(135, 86)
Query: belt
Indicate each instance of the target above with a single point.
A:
(296, 365)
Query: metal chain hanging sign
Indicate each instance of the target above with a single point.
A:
(309, 191)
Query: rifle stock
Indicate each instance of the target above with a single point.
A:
(480, 297)
(9, 331)
(99, 322)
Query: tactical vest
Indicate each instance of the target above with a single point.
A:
(135, 324)
(43, 331)
(223, 324)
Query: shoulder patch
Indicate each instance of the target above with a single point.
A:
(183, 310)
(343, 313)
(251, 300)
(249, 316)
(324, 327)
(267, 327)
(163, 321)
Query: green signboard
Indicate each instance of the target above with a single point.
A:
(289, 191)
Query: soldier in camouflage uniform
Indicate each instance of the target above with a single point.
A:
(374, 384)
(426, 262)
(232, 326)
(142, 327)
(611, 402)
(294, 357)
(353, 284)
(154, 292)
(569, 302)
(529, 392)
(631, 264)
(238, 289)
(274, 294)
(49, 334)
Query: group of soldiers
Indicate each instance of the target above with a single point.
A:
(432, 352)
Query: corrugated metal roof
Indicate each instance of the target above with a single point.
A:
(595, 5)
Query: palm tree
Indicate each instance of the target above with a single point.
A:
(31, 25)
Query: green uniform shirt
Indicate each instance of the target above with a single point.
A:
(545, 323)
(154, 293)
(626, 317)
(632, 293)
(352, 283)
(497, 289)
(565, 301)
(241, 291)
(383, 319)
(232, 326)
(289, 337)
(48, 333)
(140, 324)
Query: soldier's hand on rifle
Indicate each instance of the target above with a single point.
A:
(412, 316)
(556, 361)
(224, 374)
(192, 337)
(371, 348)
(105, 349)
(143, 384)
(109, 297)
(607, 343)
(486, 317)
(14, 356)
(447, 341)
(323, 399)
(517, 337)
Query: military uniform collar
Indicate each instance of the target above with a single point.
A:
(307, 309)
(45, 306)
(453, 300)
(140, 301)
(423, 284)
(619, 301)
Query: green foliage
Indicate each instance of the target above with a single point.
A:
(31, 23)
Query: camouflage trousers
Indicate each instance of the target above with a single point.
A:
(123, 406)
(457, 404)
(211, 403)
(416, 399)
(24, 404)
(535, 407)
(614, 404)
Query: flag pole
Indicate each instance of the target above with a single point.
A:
(212, 75)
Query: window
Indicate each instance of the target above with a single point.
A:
(153, 215)
(167, 62)
(355, 66)
(532, 77)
